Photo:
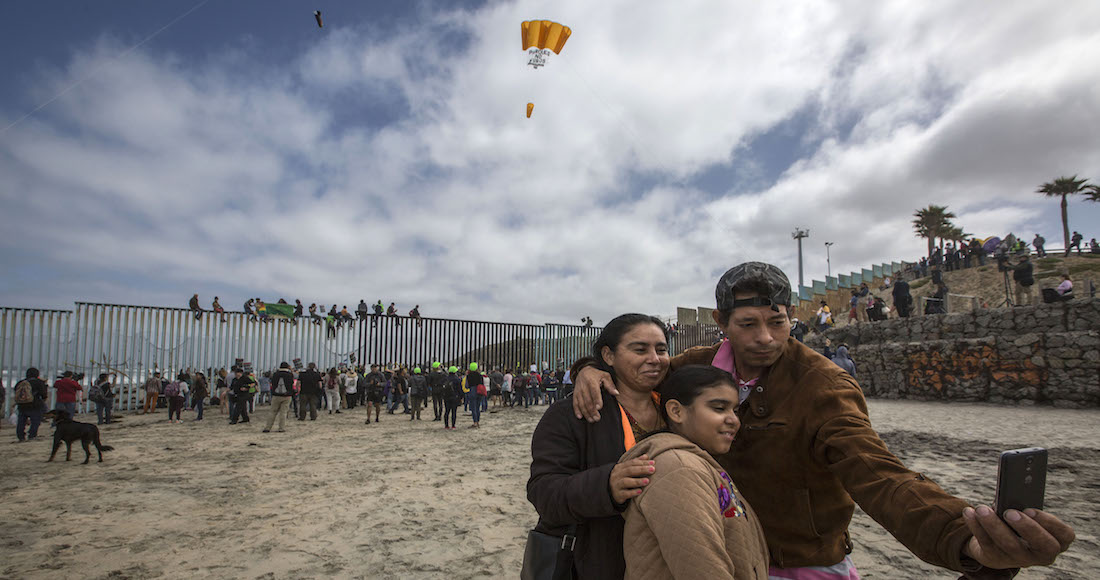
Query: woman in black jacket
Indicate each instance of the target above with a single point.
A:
(575, 479)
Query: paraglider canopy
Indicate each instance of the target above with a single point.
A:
(541, 37)
(317, 16)
(530, 107)
(545, 34)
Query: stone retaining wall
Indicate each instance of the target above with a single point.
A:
(1046, 354)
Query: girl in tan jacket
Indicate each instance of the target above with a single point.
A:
(690, 521)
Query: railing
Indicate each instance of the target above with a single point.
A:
(133, 341)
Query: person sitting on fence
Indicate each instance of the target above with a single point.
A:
(361, 311)
(1094, 248)
(195, 306)
(313, 316)
(297, 311)
(415, 315)
(217, 308)
(248, 310)
(346, 316)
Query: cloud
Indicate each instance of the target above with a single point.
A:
(398, 164)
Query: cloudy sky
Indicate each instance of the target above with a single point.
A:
(150, 150)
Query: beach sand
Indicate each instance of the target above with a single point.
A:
(340, 499)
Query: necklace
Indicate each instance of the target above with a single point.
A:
(635, 422)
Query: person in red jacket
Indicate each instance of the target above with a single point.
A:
(68, 394)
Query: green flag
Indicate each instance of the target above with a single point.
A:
(280, 310)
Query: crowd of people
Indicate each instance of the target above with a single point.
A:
(256, 310)
(1012, 255)
(305, 392)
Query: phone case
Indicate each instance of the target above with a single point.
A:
(1021, 479)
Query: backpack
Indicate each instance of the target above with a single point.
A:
(24, 393)
(172, 390)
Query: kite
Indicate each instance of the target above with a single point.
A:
(539, 38)
(317, 16)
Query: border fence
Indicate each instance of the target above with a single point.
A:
(133, 341)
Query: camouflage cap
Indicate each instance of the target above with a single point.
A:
(759, 275)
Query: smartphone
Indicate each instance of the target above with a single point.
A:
(1021, 480)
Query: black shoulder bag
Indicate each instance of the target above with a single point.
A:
(549, 557)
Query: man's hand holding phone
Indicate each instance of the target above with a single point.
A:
(1017, 533)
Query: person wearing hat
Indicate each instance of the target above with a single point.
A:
(1023, 274)
(374, 384)
(806, 453)
(452, 396)
(476, 385)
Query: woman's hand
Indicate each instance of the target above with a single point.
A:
(587, 400)
(629, 477)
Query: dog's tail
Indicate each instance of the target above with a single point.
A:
(106, 448)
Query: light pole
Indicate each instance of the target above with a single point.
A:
(828, 263)
(798, 234)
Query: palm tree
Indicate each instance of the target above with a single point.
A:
(1065, 187)
(932, 222)
(1093, 193)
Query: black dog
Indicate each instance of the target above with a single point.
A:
(68, 431)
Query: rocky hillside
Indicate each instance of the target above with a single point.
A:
(987, 283)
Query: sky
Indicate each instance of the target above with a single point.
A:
(151, 150)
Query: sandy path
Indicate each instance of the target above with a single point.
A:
(337, 498)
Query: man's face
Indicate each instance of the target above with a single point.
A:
(756, 333)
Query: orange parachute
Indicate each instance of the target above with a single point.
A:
(540, 37)
(544, 34)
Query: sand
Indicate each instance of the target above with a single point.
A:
(336, 498)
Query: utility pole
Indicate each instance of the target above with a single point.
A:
(828, 263)
(798, 234)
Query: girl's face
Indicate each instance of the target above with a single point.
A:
(710, 421)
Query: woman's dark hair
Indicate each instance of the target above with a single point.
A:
(614, 331)
(332, 372)
(688, 382)
(32, 373)
(103, 377)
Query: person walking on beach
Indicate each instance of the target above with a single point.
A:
(239, 391)
(68, 394)
(175, 393)
(506, 389)
(375, 388)
(452, 396)
(496, 388)
(349, 390)
(223, 391)
(437, 380)
(418, 389)
(29, 396)
(152, 393)
(476, 383)
(332, 390)
(105, 400)
(310, 392)
(200, 389)
(804, 479)
(282, 392)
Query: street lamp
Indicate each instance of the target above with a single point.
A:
(828, 264)
(798, 234)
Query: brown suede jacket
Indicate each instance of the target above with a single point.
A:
(806, 450)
